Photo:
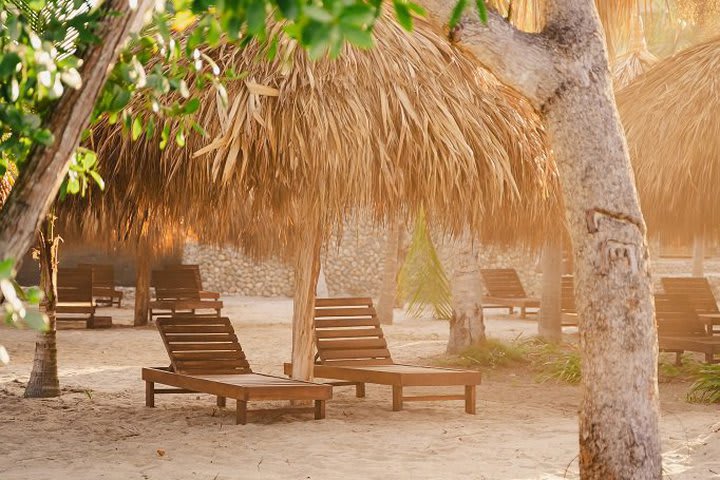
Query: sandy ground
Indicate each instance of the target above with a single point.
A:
(100, 429)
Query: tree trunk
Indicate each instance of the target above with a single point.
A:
(550, 321)
(698, 261)
(142, 291)
(467, 326)
(44, 380)
(564, 72)
(40, 179)
(307, 270)
(388, 291)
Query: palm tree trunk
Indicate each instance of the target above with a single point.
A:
(698, 261)
(142, 291)
(550, 321)
(307, 270)
(388, 291)
(44, 380)
(467, 326)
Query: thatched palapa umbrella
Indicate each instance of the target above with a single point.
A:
(413, 124)
(671, 121)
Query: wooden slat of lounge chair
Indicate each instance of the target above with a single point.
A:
(195, 269)
(700, 295)
(178, 290)
(505, 290)
(103, 288)
(680, 329)
(75, 299)
(214, 362)
(351, 348)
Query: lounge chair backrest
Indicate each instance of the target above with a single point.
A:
(75, 285)
(176, 284)
(698, 291)
(567, 294)
(102, 275)
(202, 345)
(189, 267)
(675, 317)
(347, 332)
(503, 283)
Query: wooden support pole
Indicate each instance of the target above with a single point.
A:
(142, 291)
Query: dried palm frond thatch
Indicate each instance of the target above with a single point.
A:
(636, 60)
(412, 124)
(671, 121)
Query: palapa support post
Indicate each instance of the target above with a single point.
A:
(698, 261)
(142, 290)
(307, 271)
(550, 315)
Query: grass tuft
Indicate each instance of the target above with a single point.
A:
(706, 388)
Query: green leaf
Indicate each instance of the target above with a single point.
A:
(44, 136)
(359, 15)
(164, 136)
(416, 9)
(318, 14)
(482, 10)
(98, 179)
(137, 128)
(289, 8)
(180, 137)
(457, 12)
(359, 38)
(402, 12)
(256, 17)
(191, 106)
(7, 268)
(34, 295)
(89, 159)
(150, 128)
(8, 63)
(36, 321)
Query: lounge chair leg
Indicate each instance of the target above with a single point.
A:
(360, 390)
(397, 398)
(149, 394)
(221, 401)
(523, 313)
(241, 413)
(678, 358)
(319, 409)
(470, 399)
(511, 310)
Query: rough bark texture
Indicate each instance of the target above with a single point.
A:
(467, 326)
(40, 180)
(568, 79)
(388, 292)
(550, 318)
(142, 291)
(307, 270)
(698, 262)
(44, 380)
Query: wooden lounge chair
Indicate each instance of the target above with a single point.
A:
(176, 291)
(680, 330)
(700, 295)
(204, 294)
(351, 348)
(206, 357)
(506, 291)
(104, 292)
(75, 299)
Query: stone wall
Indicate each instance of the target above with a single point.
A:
(354, 266)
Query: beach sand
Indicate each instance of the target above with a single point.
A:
(100, 429)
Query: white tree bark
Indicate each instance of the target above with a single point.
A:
(467, 326)
(550, 318)
(698, 261)
(307, 270)
(388, 290)
(564, 72)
